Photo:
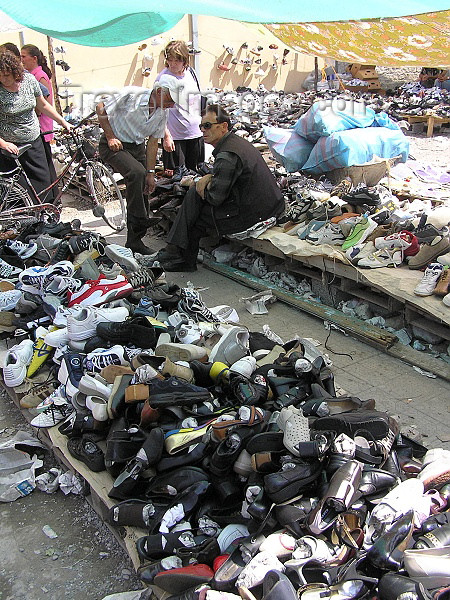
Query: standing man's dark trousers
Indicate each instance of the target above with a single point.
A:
(130, 163)
(193, 221)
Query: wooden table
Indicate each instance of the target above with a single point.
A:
(430, 120)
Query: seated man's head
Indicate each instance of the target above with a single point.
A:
(215, 124)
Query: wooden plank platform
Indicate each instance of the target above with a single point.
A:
(430, 120)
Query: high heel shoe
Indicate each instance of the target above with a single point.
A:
(387, 551)
(342, 491)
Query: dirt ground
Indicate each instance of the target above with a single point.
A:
(85, 562)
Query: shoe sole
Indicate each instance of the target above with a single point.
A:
(123, 261)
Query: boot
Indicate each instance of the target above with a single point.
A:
(134, 240)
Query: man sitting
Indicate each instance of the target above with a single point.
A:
(127, 119)
(240, 192)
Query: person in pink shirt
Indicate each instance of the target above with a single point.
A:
(35, 63)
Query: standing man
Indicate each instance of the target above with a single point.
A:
(127, 119)
(240, 193)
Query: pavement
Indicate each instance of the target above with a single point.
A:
(85, 561)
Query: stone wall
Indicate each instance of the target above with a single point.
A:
(391, 77)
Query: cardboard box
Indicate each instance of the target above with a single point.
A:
(366, 74)
(355, 67)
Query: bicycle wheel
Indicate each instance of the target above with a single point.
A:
(13, 195)
(109, 203)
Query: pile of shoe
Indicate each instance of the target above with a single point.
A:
(229, 449)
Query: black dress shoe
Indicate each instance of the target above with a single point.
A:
(391, 586)
(435, 521)
(376, 481)
(387, 552)
(437, 538)
(179, 265)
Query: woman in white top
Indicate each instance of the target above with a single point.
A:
(183, 143)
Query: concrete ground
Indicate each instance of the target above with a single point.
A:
(85, 562)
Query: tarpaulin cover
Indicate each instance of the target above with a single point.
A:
(420, 40)
(106, 23)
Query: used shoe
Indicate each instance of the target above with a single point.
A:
(381, 258)
(122, 256)
(426, 285)
(52, 415)
(16, 361)
(429, 252)
(34, 278)
(98, 359)
(83, 324)
(99, 291)
(359, 232)
(136, 330)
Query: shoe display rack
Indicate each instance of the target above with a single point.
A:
(431, 121)
(387, 288)
(95, 485)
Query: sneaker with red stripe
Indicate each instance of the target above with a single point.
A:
(403, 240)
(99, 291)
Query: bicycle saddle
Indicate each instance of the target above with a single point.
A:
(22, 149)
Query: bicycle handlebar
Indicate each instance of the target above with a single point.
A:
(82, 122)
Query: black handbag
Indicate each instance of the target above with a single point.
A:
(203, 99)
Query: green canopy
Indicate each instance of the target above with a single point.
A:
(119, 22)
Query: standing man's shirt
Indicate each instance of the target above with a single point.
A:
(128, 114)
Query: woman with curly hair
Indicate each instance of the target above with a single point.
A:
(183, 142)
(20, 95)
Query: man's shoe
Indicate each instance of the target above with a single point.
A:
(95, 293)
(138, 245)
(83, 325)
(179, 265)
(136, 330)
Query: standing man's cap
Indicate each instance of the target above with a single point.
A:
(175, 88)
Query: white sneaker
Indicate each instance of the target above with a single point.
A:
(401, 239)
(188, 333)
(94, 385)
(426, 285)
(244, 366)
(226, 314)
(329, 234)
(34, 278)
(23, 250)
(9, 299)
(16, 361)
(59, 337)
(83, 325)
(382, 258)
(123, 256)
(57, 397)
(446, 299)
(52, 415)
(98, 359)
(359, 251)
(62, 312)
(9, 272)
(60, 285)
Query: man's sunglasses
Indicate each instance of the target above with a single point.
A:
(208, 124)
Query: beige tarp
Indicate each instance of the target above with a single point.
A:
(421, 40)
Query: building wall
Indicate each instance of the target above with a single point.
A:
(94, 69)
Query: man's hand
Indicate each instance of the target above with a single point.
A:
(149, 183)
(114, 144)
(168, 143)
(201, 184)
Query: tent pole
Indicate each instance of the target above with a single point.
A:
(51, 58)
(21, 39)
(316, 72)
(194, 36)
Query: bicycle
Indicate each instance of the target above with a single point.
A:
(18, 204)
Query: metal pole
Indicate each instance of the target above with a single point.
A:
(21, 39)
(316, 72)
(51, 58)
(194, 31)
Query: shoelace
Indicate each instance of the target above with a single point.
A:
(53, 409)
(139, 278)
(99, 361)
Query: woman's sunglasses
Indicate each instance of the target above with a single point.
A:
(208, 124)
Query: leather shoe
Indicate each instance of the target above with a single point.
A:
(391, 586)
(387, 552)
